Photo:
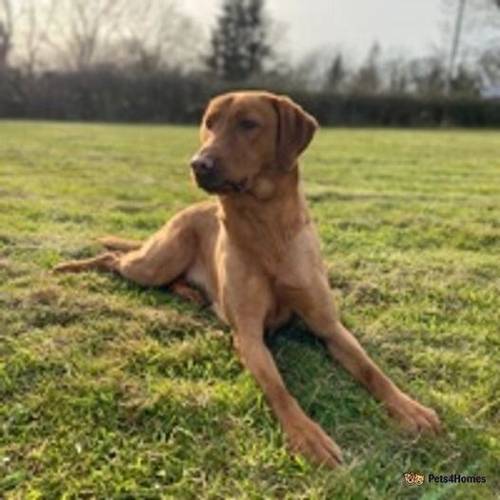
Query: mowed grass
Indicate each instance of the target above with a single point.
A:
(109, 390)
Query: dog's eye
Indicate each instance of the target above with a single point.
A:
(248, 124)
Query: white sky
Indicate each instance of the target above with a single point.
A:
(408, 27)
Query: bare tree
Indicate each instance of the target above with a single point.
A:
(471, 28)
(455, 44)
(310, 71)
(156, 34)
(36, 20)
(6, 31)
(336, 74)
(31, 37)
(427, 75)
(397, 76)
(489, 70)
(82, 29)
(368, 78)
(148, 34)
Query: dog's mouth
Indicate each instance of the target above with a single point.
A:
(221, 186)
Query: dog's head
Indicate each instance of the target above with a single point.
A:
(245, 135)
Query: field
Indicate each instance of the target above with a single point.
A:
(109, 390)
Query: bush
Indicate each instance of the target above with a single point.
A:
(108, 94)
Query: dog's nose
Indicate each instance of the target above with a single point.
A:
(202, 164)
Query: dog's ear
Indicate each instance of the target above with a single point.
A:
(295, 130)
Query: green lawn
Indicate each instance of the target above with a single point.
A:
(109, 390)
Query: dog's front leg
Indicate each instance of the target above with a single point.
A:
(316, 308)
(303, 435)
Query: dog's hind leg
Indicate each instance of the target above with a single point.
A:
(159, 261)
(108, 261)
(120, 244)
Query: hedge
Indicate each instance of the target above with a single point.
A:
(106, 94)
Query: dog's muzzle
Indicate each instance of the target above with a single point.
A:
(206, 172)
(208, 175)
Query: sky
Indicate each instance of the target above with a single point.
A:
(408, 27)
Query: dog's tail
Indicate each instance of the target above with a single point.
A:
(120, 244)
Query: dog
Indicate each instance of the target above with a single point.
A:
(255, 254)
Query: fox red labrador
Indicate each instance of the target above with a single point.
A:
(255, 254)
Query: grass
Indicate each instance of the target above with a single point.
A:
(109, 390)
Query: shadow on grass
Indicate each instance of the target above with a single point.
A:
(350, 414)
(327, 393)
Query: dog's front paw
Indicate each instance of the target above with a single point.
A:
(412, 415)
(308, 438)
